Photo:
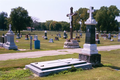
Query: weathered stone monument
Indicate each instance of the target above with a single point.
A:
(18, 36)
(45, 37)
(89, 51)
(109, 36)
(119, 37)
(65, 35)
(10, 40)
(51, 40)
(26, 37)
(59, 35)
(56, 38)
(72, 43)
(97, 38)
(2, 40)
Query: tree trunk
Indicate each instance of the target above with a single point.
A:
(19, 31)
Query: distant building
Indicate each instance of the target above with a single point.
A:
(29, 28)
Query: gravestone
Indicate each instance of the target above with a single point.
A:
(51, 40)
(59, 35)
(80, 35)
(56, 38)
(71, 21)
(72, 43)
(89, 51)
(18, 36)
(2, 40)
(26, 37)
(5, 38)
(76, 35)
(10, 40)
(109, 36)
(65, 35)
(45, 37)
(50, 67)
(119, 37)
(36, 42)
(97, 39)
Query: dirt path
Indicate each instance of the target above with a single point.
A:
(51, 52)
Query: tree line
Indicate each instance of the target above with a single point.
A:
(20, 19)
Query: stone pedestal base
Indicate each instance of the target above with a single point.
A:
(90, 49)
(94, 59)
(71, 44)
(1, 44)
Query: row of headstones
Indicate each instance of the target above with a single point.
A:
(105, 36)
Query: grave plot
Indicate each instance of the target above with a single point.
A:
(48, 67)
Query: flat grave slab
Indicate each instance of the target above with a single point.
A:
(47, 67)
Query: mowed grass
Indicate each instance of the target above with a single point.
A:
(45, 45)
(11, 69)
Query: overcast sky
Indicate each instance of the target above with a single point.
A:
(54, 9)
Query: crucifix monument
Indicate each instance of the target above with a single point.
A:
(71, 43)
(71, 21)
(89, 51)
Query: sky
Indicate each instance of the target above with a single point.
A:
(44, 10)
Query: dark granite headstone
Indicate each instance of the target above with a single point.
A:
(89, 51)
(56, 38)
(90, 34)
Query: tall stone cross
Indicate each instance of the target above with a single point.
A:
(90, 11)
(71, 21)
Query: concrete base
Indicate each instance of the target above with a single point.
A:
(94, 59)
(71, 44)
(90, 49)
(10, 46)
(1, 44)
(50, 67)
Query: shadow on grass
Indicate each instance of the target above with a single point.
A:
(107, 65)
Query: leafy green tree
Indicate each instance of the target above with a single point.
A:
(106, 18)
(19, 18)
(65, 26)
(81, 15)
(47, 24)
(3, 20)
(43, 27)
(55, 26)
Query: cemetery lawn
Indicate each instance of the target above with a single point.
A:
(24, 45)
(13, 69)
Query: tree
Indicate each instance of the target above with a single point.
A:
(65, 26)
(106, 18)
(81, 15)
(55, 26)
(3, 20)
(19, 18)
(43, 27)
(47, 24)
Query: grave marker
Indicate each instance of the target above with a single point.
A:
(89, 51)
(71, 21)
(10, 40)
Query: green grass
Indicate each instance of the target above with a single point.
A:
(45, 45)
(109, 59)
